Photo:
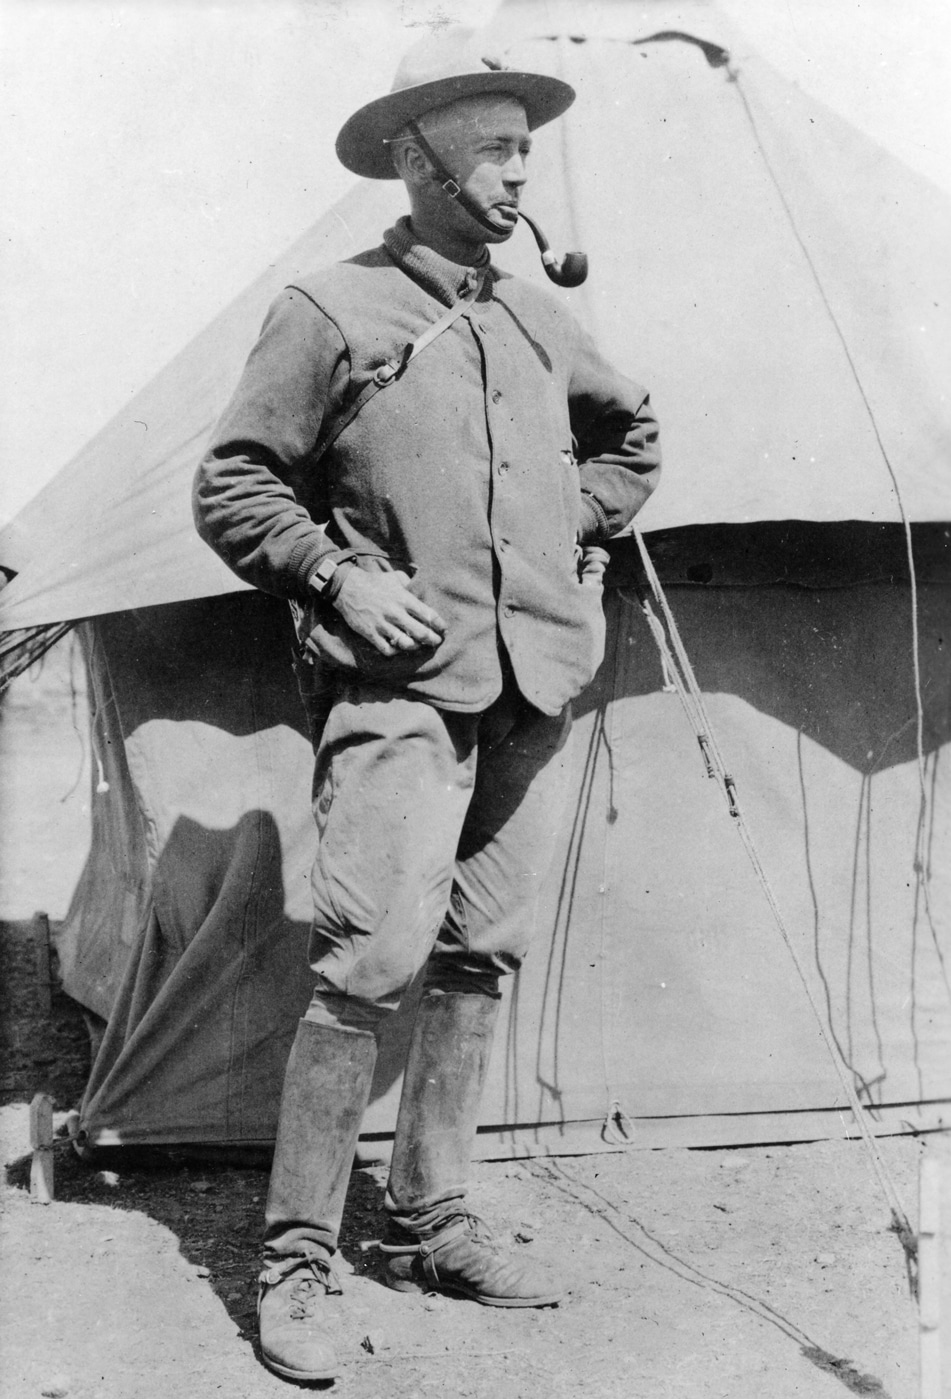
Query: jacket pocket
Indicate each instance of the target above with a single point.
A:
(569, 479)
(331, 643)
(327, 642)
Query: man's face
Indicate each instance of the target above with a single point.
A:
(484, 142)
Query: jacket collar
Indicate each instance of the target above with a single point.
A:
(435, 273)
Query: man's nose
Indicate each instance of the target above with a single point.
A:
(514, 171)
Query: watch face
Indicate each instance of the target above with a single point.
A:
(322, 575)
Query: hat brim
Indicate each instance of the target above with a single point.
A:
(361, 144)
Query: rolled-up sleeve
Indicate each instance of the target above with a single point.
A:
(251, 485)
(617, 442)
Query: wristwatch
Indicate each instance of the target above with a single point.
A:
(327, 578)
(321, 579)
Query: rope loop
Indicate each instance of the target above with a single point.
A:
(617, 1127)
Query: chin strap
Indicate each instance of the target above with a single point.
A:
(569, 271)
(449, 183)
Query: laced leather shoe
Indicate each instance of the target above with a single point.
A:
(294, 1342)
(461, 1256)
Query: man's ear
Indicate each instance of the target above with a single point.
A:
(416, 165)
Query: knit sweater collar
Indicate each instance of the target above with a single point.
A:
(435, 273)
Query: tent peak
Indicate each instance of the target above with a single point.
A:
(616, 22)
(715, 54)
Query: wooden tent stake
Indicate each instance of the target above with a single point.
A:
(44, 962)
(41, 1140)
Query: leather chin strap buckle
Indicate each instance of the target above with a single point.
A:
(447, 182)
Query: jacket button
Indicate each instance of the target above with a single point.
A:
(503, 467)
(509, 610)
(496, 395)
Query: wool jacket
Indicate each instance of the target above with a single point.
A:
(475, 471)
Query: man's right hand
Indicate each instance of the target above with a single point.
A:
(380, 608)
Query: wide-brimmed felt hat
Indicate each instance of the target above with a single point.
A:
(451, 65)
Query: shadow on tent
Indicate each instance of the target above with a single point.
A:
(659, 1005)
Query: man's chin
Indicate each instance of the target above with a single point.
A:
(501, 232)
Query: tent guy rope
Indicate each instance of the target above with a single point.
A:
(718, 57)
(678, 668)
(920, 863)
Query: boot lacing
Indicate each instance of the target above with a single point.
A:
(318, 1280)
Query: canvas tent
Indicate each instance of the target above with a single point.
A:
(795, 344)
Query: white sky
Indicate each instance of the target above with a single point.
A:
(157, 153)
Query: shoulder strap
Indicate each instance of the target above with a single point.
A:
(388, 373)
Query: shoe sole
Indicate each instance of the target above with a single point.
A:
(408, 1286)
(332, 1373)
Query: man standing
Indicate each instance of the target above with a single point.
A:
(422, 452)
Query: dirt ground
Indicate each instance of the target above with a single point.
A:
(727, 1274)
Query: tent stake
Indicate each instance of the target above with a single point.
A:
(41, 1140)
(44, 961)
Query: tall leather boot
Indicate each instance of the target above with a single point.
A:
(326, 1088)
(432, 1242)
